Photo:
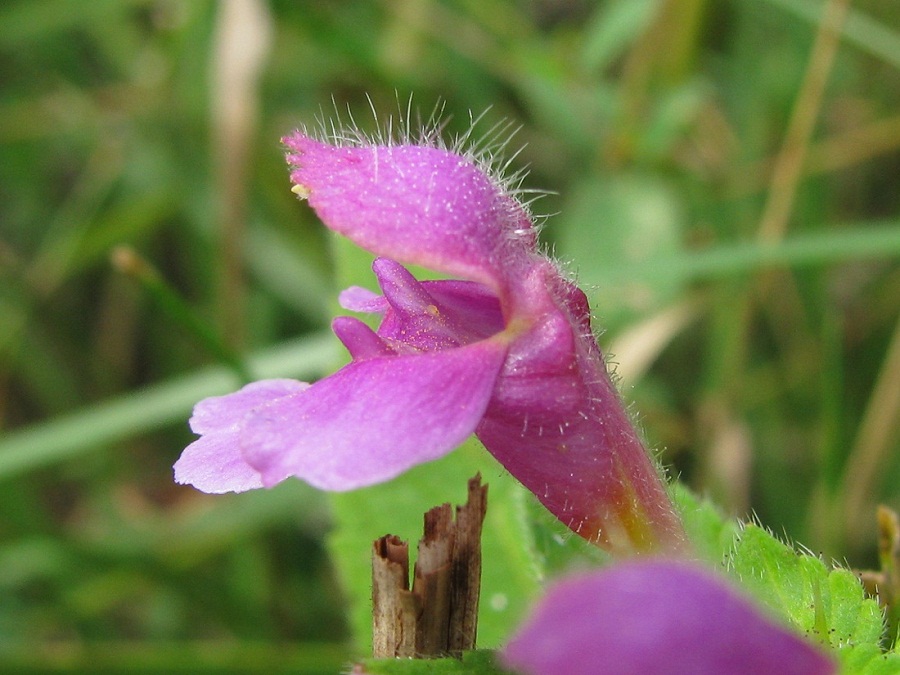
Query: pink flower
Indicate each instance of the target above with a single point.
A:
(504, 350)
(655, 616)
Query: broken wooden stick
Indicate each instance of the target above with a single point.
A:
(439, 614)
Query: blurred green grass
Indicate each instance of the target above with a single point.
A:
(738, 230)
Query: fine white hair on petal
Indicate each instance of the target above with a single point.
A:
(487, 149)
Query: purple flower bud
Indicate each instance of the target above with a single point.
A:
(655, 616)
(504, 350)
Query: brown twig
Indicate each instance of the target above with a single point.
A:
(439, 615)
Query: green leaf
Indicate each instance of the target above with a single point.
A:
(859, 29)
(851, 241)
(161, 656)
(555, 549)
(709, 530)
(868, 659)
(471, 663)
(96, 425)
(622, 221)
(613, 28)
(510, 576)
(827, 605)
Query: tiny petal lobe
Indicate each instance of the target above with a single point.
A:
(218, 413)
(214, 463)
(356, 299)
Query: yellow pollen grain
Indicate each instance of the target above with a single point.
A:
(301, 191)
(433, 310)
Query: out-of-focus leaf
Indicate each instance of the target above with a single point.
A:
(615, 25)
(24, 22)
(670, 119)
(271, 258)
(621, 221)
(855, 241)
(213, 656)
(151, 408)
(861, 30)
(555, 549)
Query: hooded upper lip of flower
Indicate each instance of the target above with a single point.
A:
(505, 350)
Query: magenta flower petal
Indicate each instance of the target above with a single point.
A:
(554, 418)
(655, 617)
(214, 463)
(374, 418)
(505, 350)
(419, 204)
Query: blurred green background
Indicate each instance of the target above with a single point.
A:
(724, 178)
